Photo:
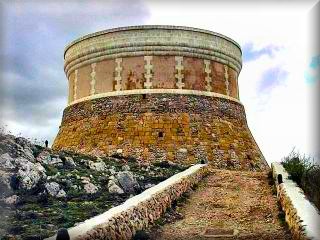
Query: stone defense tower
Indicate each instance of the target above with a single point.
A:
(157, 92)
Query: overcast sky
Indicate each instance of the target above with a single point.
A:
(278, 81)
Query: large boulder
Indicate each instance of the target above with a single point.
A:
(25, 148)
(128, 182)
(16, 147)
(6, 161)
(29, 174)
(55, 190)
(114, 188)
(8, 145)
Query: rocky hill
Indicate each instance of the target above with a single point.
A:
(42, 190)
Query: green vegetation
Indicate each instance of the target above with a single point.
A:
(305, 173)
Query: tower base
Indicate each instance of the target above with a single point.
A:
(181, 128)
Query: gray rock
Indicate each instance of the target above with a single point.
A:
(114, 188)
(29, 174)
(70, 163)
(149, 185)
(172, 164)
(98, 166)
(61, 194)
(55, 190)
(56, 161)
(85, 180)
(52, 188)
(23, 142)
(8, 145)
(44, 157)
(76, 187)
(112, 171)
(141, 177)
(5, 179)
(126, 168)
(127, 181)
(90, 188)
(25, 148)
(11, 200)
(27, 153)
(6, 161)
(147, 169)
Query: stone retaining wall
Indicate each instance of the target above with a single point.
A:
(140, 211)
(303, 217)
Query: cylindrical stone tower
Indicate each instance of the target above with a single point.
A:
(157, 92)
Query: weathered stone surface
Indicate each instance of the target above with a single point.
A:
(44, 157)
(70, 163)
(16, 147)
(55, 161)
(29, 174)
(5, 183)
(128, 182)
(194, 128)
(6, 161)
(98, 166)
(11, 200)
(114, 188)
(52, 188)
(90, 188)
(126, 168)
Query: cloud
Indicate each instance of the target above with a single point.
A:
(271, 78)
(249, 53)
(34, 35)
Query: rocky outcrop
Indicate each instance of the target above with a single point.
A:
(29, 173)
(64, 182)
(122, 222)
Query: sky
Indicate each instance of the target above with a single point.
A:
(279, 80)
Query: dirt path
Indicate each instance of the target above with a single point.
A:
(228, 200)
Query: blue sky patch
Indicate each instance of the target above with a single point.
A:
(271, 78)
(249, 54)
(312, 75)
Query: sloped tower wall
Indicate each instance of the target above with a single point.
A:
(157, 92)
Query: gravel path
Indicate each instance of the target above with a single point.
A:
(228, 200)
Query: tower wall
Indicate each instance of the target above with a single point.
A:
(157, 92)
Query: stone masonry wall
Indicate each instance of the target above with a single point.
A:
(180, 128)
(140, 211)
(302, 217)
